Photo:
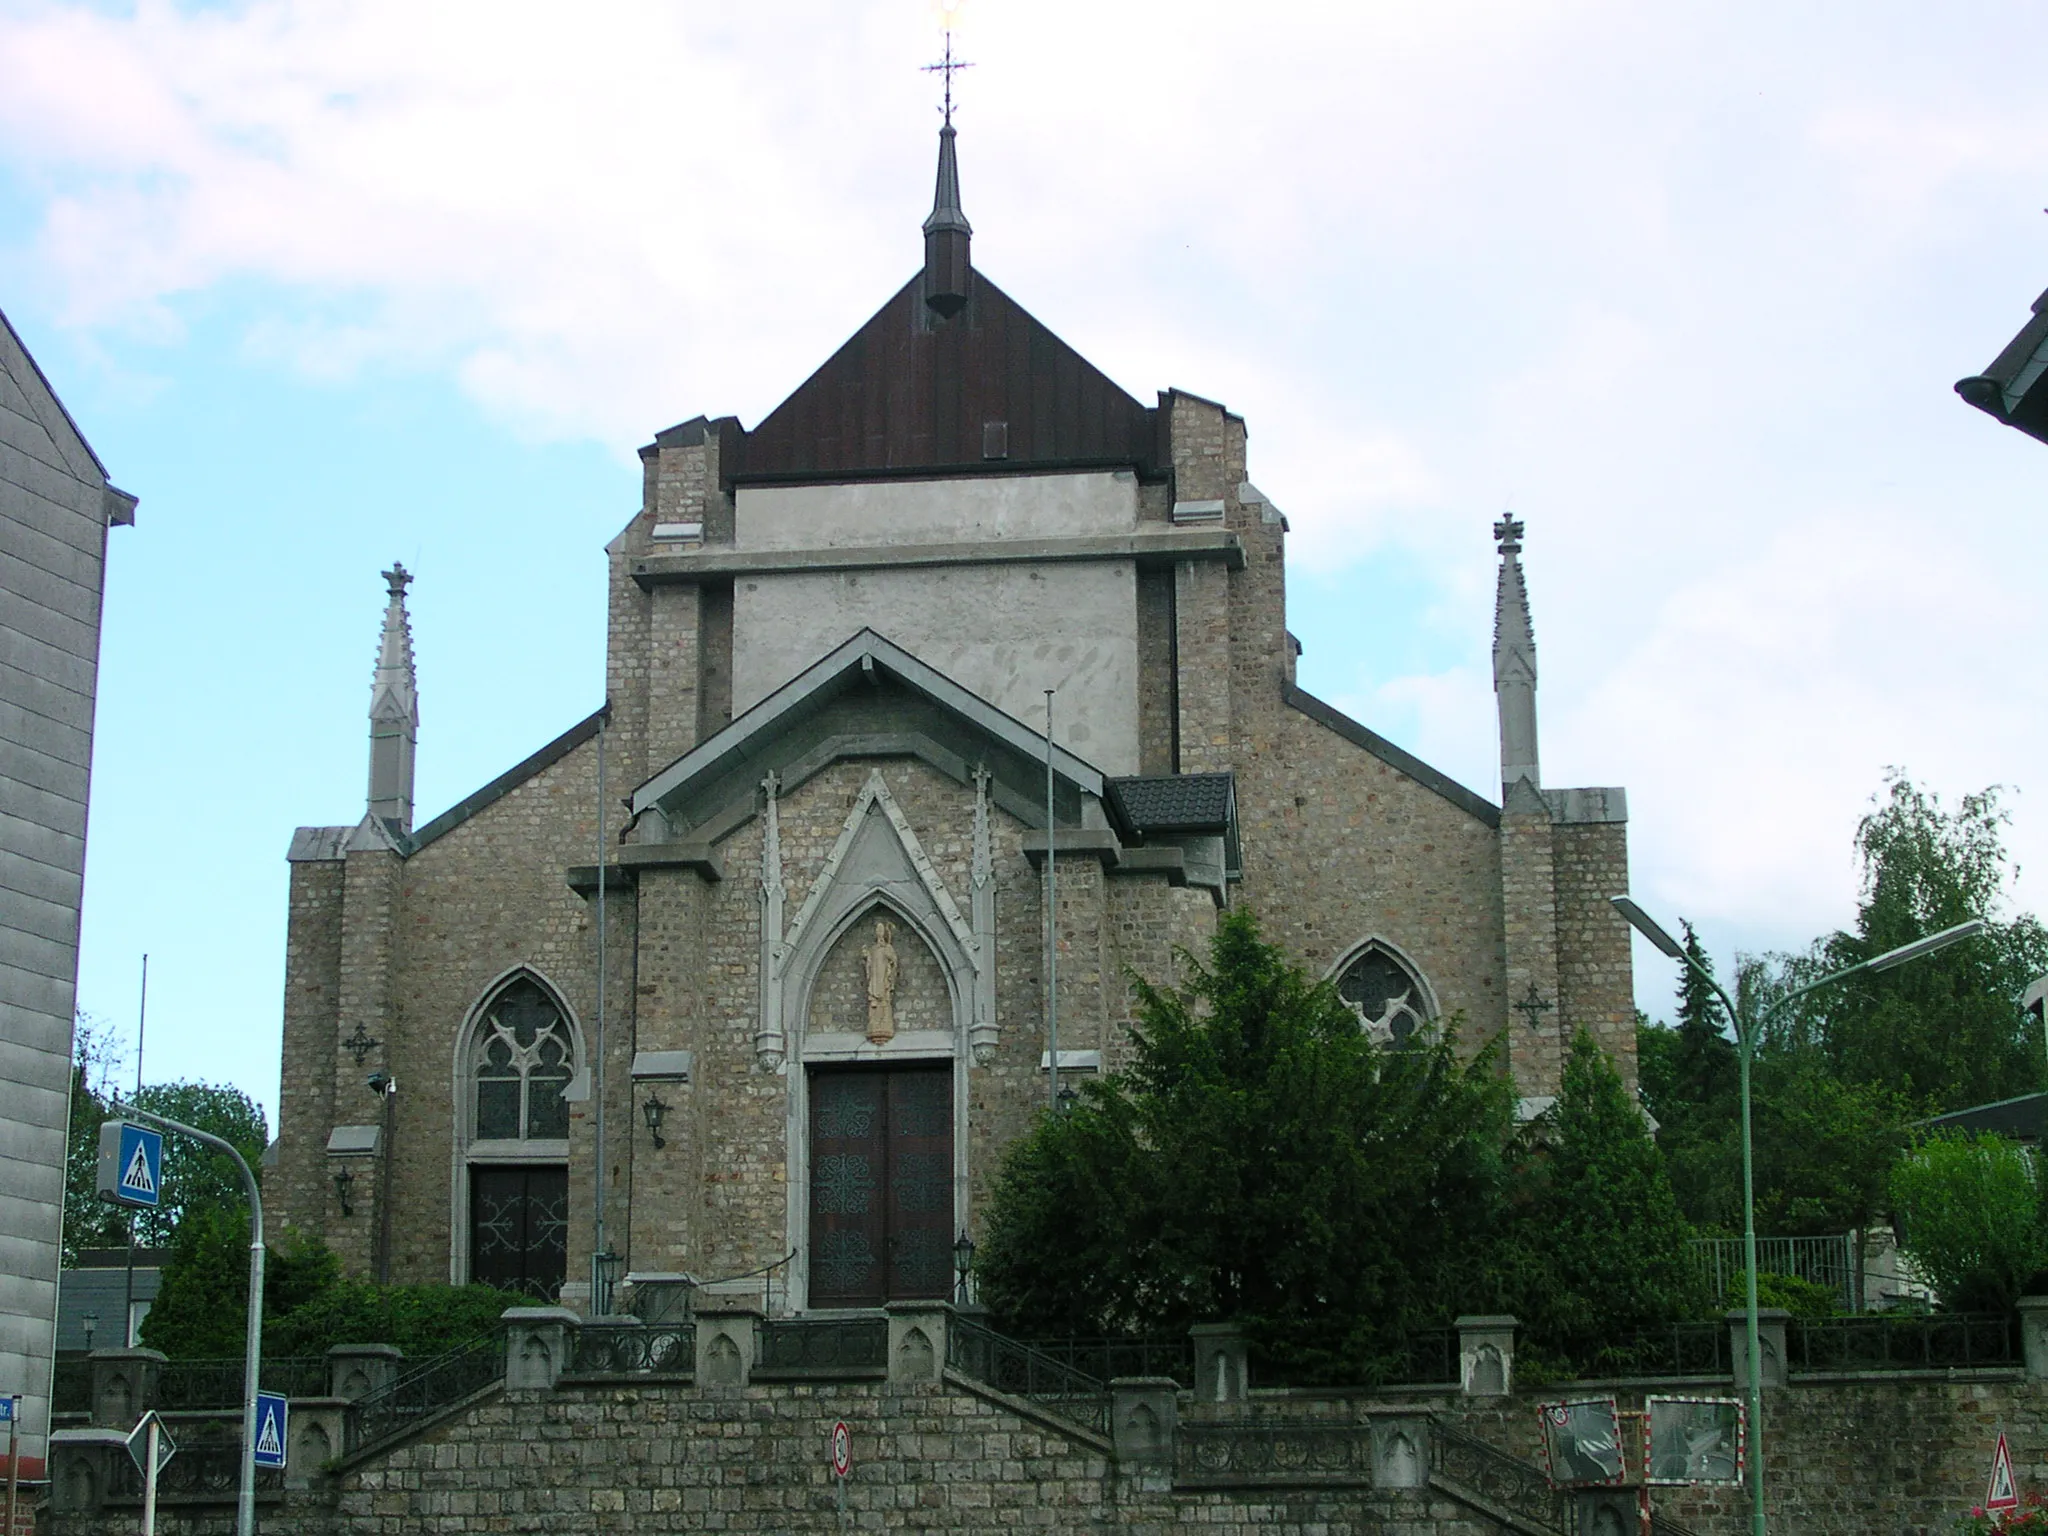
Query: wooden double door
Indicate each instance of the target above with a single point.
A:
(881, 1196)
(519, 1228)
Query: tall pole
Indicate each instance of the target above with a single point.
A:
(1748, 1030)
(245, 1497)
(128, 1305)
(600, 1297)
(13, 1459)
(1052, 931)
(148, 1478)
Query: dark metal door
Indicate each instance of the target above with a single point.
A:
(881, 1184)
(519, 1229)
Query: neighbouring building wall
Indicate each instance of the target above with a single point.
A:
(55, 509)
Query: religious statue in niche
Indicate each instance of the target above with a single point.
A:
(878, 962)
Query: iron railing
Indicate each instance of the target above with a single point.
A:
(827, 1348)
(71, 1386)
(1934, 1341)
(1020, 1369)
(1828, 1261)
(1677, 1349)
(1428, 1357)
(1226, 1453)
(207, 1468)
(1108, 1358)
(1506, 1481)
(194, 1384)
(644, 1350)
(424, 1392)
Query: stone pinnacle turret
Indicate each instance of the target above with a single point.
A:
(1514, 663)
(394, 712)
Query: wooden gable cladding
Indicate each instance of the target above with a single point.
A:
(912, 393)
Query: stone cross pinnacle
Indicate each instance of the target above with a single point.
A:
(394, 711)
(1514, 662)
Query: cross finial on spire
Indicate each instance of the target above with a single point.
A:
(1509, 533)
(398, 578)
(946, 67)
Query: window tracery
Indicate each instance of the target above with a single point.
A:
(1389, 999)
(521, 1063)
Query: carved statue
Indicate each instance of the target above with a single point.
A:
(878, 960)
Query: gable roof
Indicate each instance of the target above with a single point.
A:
(867, 698)
(2014, 389)
(990, 389)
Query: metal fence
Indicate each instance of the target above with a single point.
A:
(193, 1384)
(207, 1468)
(1828, 1261)
(423, 1392)
(828, 1348)
(1506, 1481)
(1009, 1365)
(1935, 1341)
(1105, 1359)
(643, 1350)
(1678, 1349)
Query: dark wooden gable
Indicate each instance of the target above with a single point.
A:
(990, 389)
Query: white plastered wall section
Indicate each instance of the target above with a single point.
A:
(1005, 629)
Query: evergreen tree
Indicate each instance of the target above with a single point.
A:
(1261, 1161)
(1601, 1247)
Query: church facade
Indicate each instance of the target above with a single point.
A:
(946, 697)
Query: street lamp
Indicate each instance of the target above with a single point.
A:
(1747, 1032)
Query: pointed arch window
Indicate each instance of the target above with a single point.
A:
(1391, 1001)
(522, 1061)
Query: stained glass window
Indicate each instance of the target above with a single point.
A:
(1387, 997)
(523, 1061)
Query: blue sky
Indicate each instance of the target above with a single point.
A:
(331, 283)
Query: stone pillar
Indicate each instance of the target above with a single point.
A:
(1486, 1355)
(1770, 1337)
(1222, 1363)
(1528, 899)
(2034, 1335)
(319, 1434)
(371, 888)
(355, 1371)
(727, 1342)
(538, 1344)
(124, 1383)
(917, 1340)
(83, 1466)
(1144, 1417)
(1400, 1453)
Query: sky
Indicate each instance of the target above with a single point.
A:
(332, 282)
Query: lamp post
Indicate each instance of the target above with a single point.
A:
(1747, 1031)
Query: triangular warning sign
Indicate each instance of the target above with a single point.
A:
(268, 1442)
(2003, 1493)
(137, 1177)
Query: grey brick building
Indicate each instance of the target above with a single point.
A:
(815, 804)
(55, 509)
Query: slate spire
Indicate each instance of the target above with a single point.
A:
(1514, 662)
(394, 711)
(947, 232)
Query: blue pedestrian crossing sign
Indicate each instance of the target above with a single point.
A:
(271, 1412)
(131, 1164)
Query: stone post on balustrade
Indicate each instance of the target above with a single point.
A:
(1144, 1420)
(2034, 1335)
(357, 1371)
(319, 1433)
(1770, 1338)
(917, 1340)
(1486, 1355)
(124, 1386)
(1222, 1363)
(728, 1340)
(539, 1342)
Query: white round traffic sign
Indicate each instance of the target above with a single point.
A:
(842, 1449)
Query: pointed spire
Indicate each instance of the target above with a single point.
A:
(946, 231)
(394, 711)
(1514, 662)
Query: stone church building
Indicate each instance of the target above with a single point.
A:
(747, 974)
